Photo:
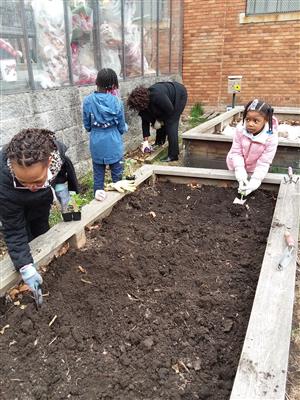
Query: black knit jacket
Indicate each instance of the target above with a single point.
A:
(14, 202)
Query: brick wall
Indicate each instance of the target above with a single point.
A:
(216, 44)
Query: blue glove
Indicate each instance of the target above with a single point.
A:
(31, 277)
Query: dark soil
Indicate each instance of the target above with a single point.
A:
(161, 312)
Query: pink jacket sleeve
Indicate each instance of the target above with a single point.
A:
(235, 156)
(264, 161)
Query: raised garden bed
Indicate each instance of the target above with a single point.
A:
(160, 304)
(205, 146)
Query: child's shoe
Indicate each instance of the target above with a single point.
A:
(100, 195)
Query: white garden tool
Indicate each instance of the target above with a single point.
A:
(241, 198)
(287, 255)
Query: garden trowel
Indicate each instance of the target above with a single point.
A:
(240, 199)
(288, 251)
(38, 296)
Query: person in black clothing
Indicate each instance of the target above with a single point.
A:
(31, 166)
(161, 106)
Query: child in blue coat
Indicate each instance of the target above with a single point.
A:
(103, 117)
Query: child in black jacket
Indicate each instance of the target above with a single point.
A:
(31, 165)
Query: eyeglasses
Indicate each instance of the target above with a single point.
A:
(17, 185)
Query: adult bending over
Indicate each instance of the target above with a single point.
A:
(160, 106)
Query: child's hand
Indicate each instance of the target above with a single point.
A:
(252, 185)
(241, 174)
(242, 185)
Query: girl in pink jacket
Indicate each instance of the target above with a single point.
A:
(254, 146)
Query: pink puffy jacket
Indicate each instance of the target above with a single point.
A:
(254, 153)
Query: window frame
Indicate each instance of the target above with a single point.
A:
(253, 3)
(95, 5)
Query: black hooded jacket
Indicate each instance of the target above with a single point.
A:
(166, 103)
(14, 202)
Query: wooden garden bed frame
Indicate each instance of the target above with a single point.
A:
(204, 146)
(262, 369)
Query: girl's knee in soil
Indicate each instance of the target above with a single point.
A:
(254, 145)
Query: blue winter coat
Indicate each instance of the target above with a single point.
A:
(103, 117)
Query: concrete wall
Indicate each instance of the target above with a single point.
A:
(60, 111)
(220, 41)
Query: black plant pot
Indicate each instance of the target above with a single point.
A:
(76, 215)
(67, 216)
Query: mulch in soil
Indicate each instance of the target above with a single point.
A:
(158, 309)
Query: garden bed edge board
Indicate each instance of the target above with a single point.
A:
(262, 369)
(218, 137)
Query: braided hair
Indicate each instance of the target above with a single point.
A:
(31, 146)
(107, 79)
(139, 99)
(261, 107)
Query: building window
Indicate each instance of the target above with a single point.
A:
(53, 43)
(13, 61)
(271, 6)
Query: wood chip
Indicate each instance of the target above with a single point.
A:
(52, 320)
(82, 270)
(183, 365)
(133, 298)
(52, 341)
(63, 250)
(3, 329)
(86, 281)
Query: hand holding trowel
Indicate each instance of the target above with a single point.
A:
(241, 197)
(242, 178)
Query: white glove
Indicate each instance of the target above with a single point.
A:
(241, 174)
(146, 147)
(251, 186)
(157, 124)
(122, 186)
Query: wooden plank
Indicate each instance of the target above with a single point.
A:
(210, 137)
(209, 173)
(219, 119)
(212, 122)
(287, 110)
(47, 244)
(262, 369)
